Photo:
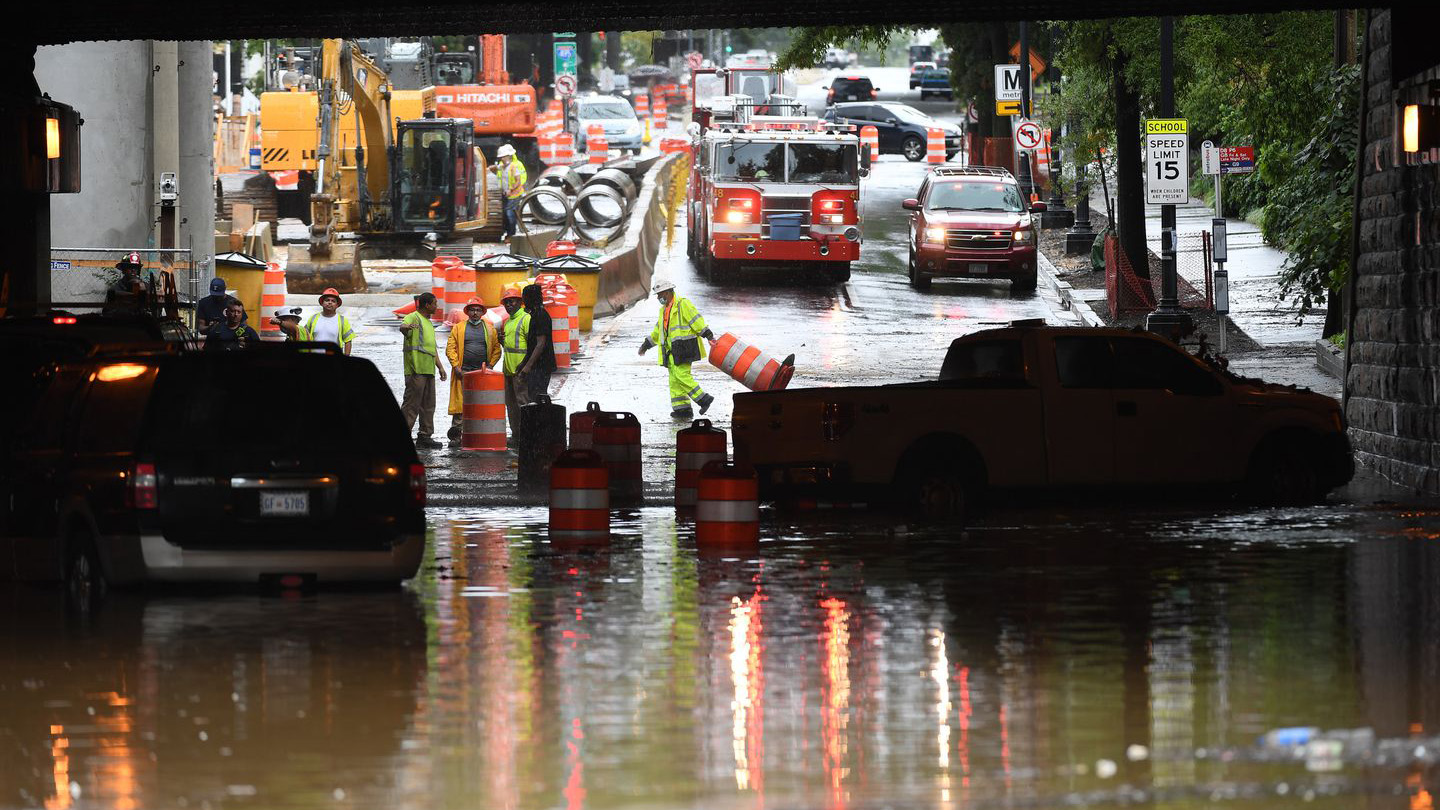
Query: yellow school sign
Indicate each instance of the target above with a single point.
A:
(1166, 126)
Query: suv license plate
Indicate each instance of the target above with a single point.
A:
(980, 268)
(284, 504)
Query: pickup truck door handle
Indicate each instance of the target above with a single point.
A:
(1125, 408)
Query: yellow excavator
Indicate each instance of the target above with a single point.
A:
(389, 181)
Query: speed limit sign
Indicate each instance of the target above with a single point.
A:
(1027, 135)
(1167, 151)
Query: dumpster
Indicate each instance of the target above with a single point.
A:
(245, 279)
(581, 273)
(496, 272)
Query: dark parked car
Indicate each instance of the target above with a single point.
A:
(139, 464)
(851, 88)
(902, 128)
(935, 81)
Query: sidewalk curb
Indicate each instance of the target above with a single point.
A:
(1065, 292)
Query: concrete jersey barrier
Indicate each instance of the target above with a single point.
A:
(625, 275)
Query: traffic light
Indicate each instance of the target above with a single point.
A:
(727, 49)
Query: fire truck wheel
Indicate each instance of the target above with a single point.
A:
(839, 272)
(721, 271)
(690, 243)
(703, 261)
(913, 148)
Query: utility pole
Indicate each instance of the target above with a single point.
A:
(1056, 214)
(1168, 318)
(1081, 235)
(1022, 160)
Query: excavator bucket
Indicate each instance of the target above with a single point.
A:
(305, 273)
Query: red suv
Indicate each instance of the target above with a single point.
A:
(971, 221)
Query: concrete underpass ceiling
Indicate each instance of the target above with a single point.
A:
(205, 19)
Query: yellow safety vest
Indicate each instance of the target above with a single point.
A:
(515, 343)
(419, 345)
(513, 178)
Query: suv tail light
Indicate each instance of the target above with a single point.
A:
(836, 420)
(874, 94)
(417, 485)
(144, 487)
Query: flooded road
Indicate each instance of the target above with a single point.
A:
(1052, 658)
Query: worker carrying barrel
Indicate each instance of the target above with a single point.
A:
(677, 332)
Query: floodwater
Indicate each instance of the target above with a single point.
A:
(1053, 658)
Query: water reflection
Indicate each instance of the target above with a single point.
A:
(1080, 658)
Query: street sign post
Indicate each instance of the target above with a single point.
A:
(1237, 159)
(1167, 148)
(1209, 158)
(1028, 136)
(1007, 83)
(565, 85)
(567, 58)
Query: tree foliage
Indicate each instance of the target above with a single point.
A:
(806, 47)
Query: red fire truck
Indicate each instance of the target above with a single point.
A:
(774, 189)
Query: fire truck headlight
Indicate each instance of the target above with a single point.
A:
(738, 218)
(935, 235)
(852, 233)
(832, 219)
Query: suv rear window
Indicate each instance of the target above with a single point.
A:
(275, 399)
(850, 85)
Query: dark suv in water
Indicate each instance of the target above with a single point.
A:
(900, 128)
(135, 464)
(851, 88)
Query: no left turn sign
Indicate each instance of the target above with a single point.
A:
(1027, 135)
(565, 85)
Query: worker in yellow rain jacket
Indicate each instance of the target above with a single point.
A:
(473, 345)
(514, 345)
(677, 332)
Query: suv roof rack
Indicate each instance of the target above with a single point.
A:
(987, 171)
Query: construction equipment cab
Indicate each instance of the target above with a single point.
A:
(774, 189)
(434, 176)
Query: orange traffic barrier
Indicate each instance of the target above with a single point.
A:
(749, 365)
(570, 297)
(560, 247)
(934, 145)
(482, 422)
(582, 426)
(870, 139)
(617, 440)
(1042, 156)
(579, 496)
(272, 297)
(597, 149)
(546, 143)
(564, 149)
(727, 506)
(668, 145)
(459, 288)
(642, 106)
(662, 117)
(559, 328)
(695, 447)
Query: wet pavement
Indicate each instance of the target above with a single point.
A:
(1059, 657)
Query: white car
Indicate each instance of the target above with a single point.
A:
(622, 129)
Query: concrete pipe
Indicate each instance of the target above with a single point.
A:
(562, 177)
(601, 205)
(616, 179)
(548, 205)
(594, 234)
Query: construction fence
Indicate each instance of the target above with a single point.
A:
(80, 277)
(1127, 293)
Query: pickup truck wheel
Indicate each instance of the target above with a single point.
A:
(85, 584)
(1285, 472)
(940, 495)
(913, 148)
(918, 280)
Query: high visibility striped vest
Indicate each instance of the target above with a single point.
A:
(514, 342)
(419, 345)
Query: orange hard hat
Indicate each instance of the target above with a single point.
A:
(331, 292)
(513, 291)
(474, 302)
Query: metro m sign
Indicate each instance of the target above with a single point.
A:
(1007, 83)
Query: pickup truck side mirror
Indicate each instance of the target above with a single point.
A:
(1038, 207)
(911, 204)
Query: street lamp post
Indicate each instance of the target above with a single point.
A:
(1168, 318)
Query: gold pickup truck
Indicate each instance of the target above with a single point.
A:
(1031, 408)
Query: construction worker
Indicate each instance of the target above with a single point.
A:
(513, 178)
(327, 325)
(127, 294)
(420, 370)
(539, 363)
(513, 340)
(232, 333)
(473, 345)
(289, 322)
(210, 310)
(677, 332)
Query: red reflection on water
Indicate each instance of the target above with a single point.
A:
(575, 764)
(965, 711)
(1005, 743)
(835, 697)
(748, 706)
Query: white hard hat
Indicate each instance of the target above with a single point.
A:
(661, 285)
(505, 150)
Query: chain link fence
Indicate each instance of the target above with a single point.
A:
(80, 277)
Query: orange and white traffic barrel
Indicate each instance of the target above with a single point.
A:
(870, 139)
(559, 327)
(617, 440)
(695, 446)
(571, 298)
(582, 426)
(749, 365)
(548, 280)
(1042, 156)
(482, 420)
(642, 106)
(439, 280)
(597, 149)
(934, 145)
(546, 143)
(662, 116)
(272, 297)
(564, 149)
(727, 506)
(459, 288)
(579, 496)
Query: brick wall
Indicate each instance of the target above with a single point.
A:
(1392, 384)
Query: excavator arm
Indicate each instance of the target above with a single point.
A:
(348, 77)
